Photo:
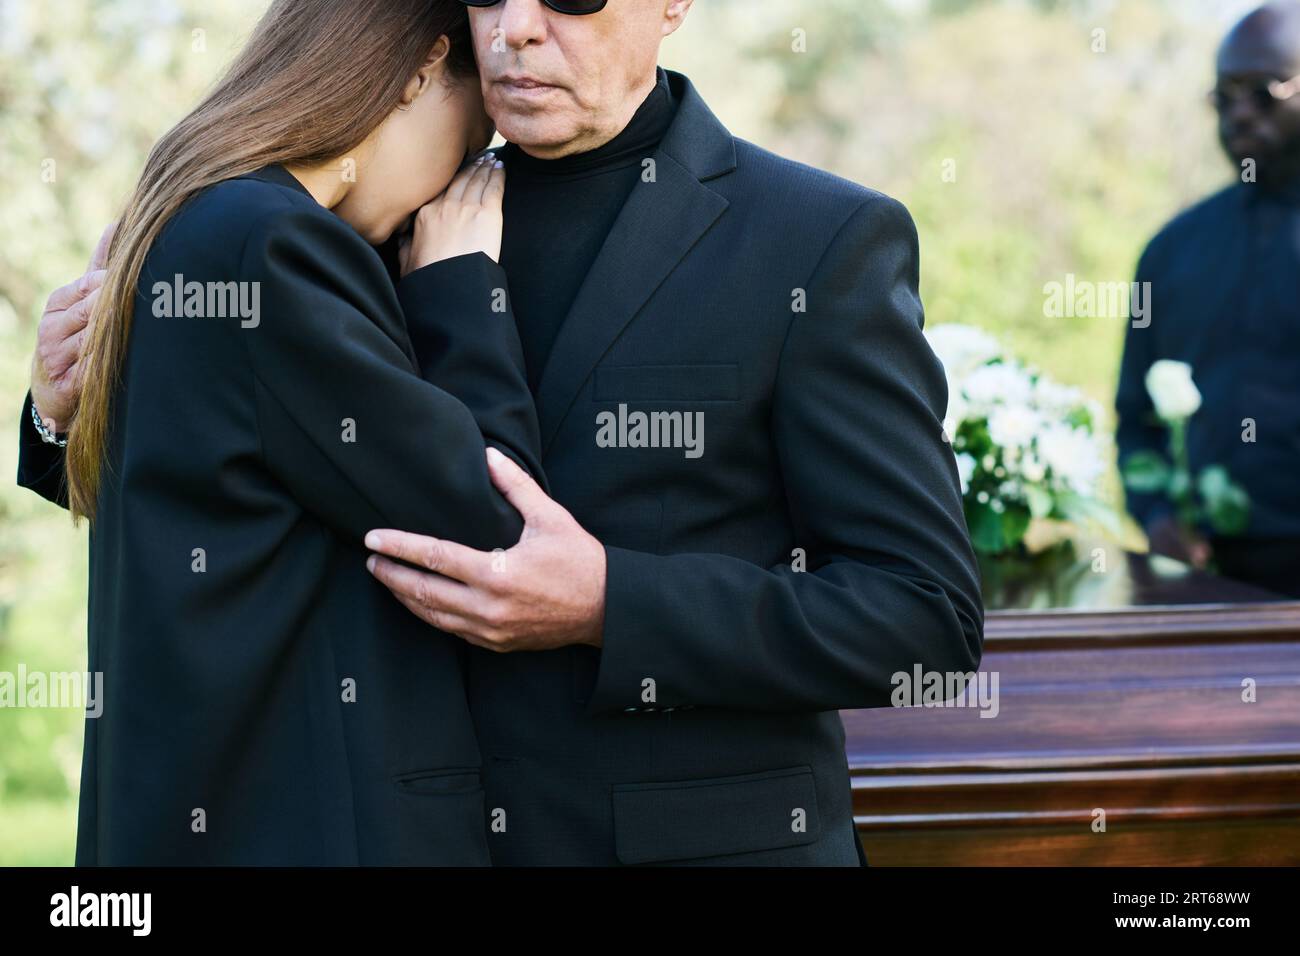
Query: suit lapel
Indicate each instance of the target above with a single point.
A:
(657, 227)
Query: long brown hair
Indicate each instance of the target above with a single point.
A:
(315, 79)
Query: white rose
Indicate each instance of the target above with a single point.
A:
(1013, 426)
(1003, 384)
(1073, 455)
(1032, 470)
(1059, 400)
(962, 347)
(1172, 390)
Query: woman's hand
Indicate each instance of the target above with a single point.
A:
(465, 218)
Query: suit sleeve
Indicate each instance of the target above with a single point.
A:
(873, 493)
(466, 342)
(40, 465)
(1137, 430)
(346, 420)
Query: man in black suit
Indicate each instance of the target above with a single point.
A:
(756, 521)
(701, 610)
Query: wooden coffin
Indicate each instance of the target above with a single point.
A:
(1150, 715)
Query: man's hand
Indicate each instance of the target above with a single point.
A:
(547, 591)
(1169, 538)
(56, 366)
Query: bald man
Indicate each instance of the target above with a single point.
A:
(1225, 292)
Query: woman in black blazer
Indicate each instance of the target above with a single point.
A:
(258, 394)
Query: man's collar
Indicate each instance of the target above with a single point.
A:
(697, 139)
(1286, 192)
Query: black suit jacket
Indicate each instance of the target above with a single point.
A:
(706, 730)
(266, 701)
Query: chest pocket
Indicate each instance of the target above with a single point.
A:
(666, 383)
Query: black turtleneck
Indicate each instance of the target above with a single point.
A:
(557, 215)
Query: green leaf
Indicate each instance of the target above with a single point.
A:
(1180, 485)
(1227, 505)
(1040, 500)
(1080, 417)
(985, 528)
(1015, 522)
(1081, 510)
(1146, 472)
(1213, 482)
(992, 532)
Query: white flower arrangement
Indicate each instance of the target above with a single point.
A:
(1027, 447)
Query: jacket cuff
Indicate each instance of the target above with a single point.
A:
(446, 293)
(634, 617)
(40, 464)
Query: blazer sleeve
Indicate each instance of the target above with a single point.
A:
(467, 343)
(480, 362)
(872, 488)
(40, 465)
(1136, 422)
(345, 419)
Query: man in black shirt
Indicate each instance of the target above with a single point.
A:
(1225, 290)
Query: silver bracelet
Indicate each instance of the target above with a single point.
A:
(43, 430)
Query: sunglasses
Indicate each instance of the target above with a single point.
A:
(1263, 96)
(573, 8)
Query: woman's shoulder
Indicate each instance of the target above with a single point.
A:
(237, 223)
(239, 207)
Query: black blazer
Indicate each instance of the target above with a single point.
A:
(823, 433)
(266, 701)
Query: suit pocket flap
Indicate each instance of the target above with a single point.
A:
(452, 780)
(666, 383)
(689, 819)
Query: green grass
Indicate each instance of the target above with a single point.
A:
(39, 833)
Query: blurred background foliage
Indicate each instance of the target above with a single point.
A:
(1066, 157)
